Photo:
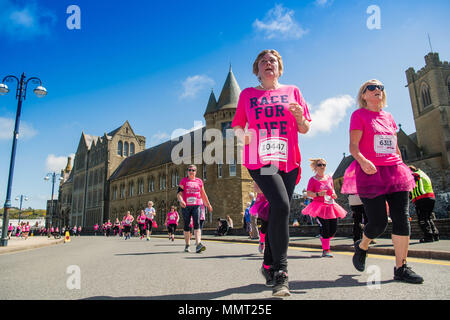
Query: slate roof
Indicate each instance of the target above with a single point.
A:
(345, 163)
(152, 157)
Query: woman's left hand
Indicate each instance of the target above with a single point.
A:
(296, 110)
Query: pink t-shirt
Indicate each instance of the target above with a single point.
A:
(192, 191)
(127, 220)
(273, 127)
(172, 217)
(379, 141)
(142, 219)
(96, 227)
(315, 185)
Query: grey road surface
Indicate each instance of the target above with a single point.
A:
(114, 268)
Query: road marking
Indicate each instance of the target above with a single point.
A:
(376, 256)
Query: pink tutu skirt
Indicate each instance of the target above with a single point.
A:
(261, 210)
(387, 179)
(324, 211)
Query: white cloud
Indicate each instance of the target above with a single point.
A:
(193, 85)
(181, 132)
(26, 131)
(329, 114)
(158, 138)
(25, 21)
(324, 3)
(279, 23)
(56, 164)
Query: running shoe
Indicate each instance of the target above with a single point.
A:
(200, 247)
(281, 284)
(261, 247)
(405, 274)
(186, 249)
(327, 254)
(148, 238)
(359, 258)
(268, 275)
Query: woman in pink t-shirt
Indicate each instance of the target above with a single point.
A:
(275, 114)
(171, 222)
(321, 189)
(141, 219)
(127, 222)
(378, 175)
(191, 195)
(10, 230)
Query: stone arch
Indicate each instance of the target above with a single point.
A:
(425, 93)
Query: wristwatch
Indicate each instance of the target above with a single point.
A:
(317, 194)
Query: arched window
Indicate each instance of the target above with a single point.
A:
(131, 189)
(120, 148)
(426, 97)
(403, 152)
(125, 149)
(131, 148)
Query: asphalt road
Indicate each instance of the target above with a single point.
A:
(114, 268)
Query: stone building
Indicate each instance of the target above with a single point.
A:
(114, 173)
(85, 192)
(154, 174)
(429, 147)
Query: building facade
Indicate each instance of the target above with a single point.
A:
(155, 173)
(114, 173)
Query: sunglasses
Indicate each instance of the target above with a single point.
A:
(372, 87)
(321, 165)
(193, 170)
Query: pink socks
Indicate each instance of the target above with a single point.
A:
(262, 237)
(325, 243)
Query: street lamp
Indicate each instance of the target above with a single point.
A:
(53, 176)
(21, 93)
(21, 198)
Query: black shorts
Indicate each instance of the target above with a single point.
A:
(126, 229)
(188, 212)
(171, 228)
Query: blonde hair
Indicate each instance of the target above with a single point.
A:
(314, 162)
(362, 103)
(262, 54)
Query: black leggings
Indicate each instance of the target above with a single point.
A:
(278, 189)
(376, 212)
(359, 218)
(328, 227)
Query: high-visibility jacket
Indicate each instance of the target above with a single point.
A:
(423, 188)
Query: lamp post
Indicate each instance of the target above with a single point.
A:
(21, 198)
(21, 93)
(53, 176)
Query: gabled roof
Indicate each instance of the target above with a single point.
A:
(152, 157)
(345, 163)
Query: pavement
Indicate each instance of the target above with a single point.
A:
(439, 250)
(18, 244)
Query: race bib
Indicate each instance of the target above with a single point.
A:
(328, 200)
(274, 148)
(191, 200)
(385, 144)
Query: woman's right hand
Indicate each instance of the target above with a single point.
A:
(183, 204)
(368, 167)
(247, 138)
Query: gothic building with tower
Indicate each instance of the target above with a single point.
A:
(429, 147)
(114, 173)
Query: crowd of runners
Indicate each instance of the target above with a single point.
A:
(268, 121)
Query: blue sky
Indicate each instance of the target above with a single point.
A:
(154, 64)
